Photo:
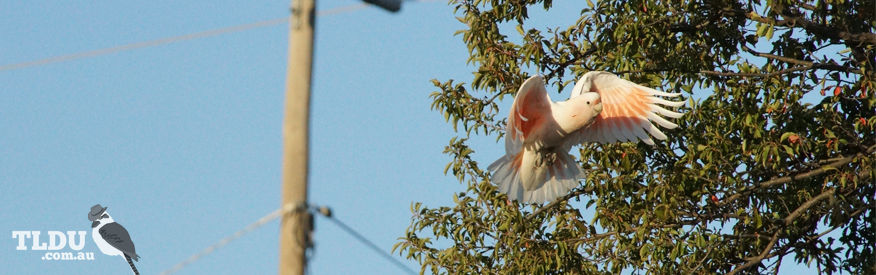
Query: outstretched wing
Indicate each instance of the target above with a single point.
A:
(118, 237)
(629, 110)
(531, 107)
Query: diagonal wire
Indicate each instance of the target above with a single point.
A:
(274, 215)
(224, 241)
(168, 40)
(367, 242)
(144, 44)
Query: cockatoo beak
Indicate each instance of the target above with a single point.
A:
(597, 105)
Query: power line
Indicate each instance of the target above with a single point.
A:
(324, 211)
(168, 40)
(327, 213)
(224, 241)
(144, 44)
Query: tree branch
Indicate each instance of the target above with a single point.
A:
(559, 200)
(815, 66)
(571, 61)
(776, 57)
(703, 260)
(799, 211)
(593, 237)
(788, 70)
(815, 28)
(787, 221)
(798, 176)
(757, 259)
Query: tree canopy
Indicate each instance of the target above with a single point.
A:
(754, 175)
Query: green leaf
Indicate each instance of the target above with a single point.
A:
(761, 29)
(661, 211)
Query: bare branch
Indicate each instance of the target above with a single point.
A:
(776, 57)
(815, 28)
(757, 259)
(593, 237)
(572, 194)
(808, 204)
(798, 176)
(787, 221)
(813, 66)
(785, 71)
(572, 61)
(703, 260)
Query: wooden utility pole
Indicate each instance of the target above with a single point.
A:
(295, 227)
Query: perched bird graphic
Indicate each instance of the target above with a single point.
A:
(111, 237)
(604, 108)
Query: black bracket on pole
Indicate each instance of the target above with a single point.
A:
(389, 5)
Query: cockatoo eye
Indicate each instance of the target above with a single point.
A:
(588, 102)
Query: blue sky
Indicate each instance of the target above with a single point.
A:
(182, 141)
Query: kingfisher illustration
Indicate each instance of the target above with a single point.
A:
(111, 237)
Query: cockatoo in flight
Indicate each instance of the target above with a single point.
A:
(603, 108)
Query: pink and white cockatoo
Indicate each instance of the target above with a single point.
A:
(603, 108)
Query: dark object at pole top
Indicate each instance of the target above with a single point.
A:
(390, 5)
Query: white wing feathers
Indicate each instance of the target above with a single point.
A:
(629, 110)
(531, 105)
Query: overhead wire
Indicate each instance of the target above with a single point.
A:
(168, 40)
(172, 39)
(224, 241)
(324, 211)
(366, 242)
(144, 44)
